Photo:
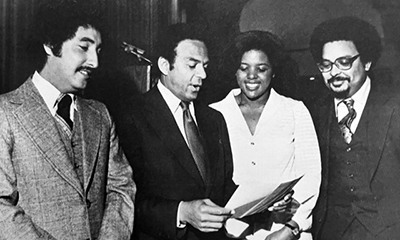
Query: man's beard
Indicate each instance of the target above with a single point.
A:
(339, 94)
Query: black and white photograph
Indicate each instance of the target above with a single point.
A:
(199, 119)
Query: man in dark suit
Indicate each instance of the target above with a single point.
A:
(62, 172)
(358, 125)
(181, 188)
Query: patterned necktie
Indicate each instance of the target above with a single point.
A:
(346, 121)
(194, 140)
(63, 110)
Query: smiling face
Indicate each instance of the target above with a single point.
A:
(254, 75)
(185, 77)
(344, 83)
(70, 71)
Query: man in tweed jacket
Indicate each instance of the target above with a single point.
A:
(60, 181)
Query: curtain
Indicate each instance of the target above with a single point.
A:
(15, 18)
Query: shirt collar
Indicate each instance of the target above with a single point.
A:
(170, 98)
(272, 99)
(49, 93)
(360, 97)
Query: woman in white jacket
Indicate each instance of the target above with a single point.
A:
(272, 136)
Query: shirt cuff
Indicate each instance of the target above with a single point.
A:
(179, 224)
(303, 222)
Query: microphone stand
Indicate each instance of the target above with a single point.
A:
(129, 48)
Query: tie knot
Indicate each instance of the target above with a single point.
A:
(184, 105)
(63, 109)
(65, 102)
(349, 103)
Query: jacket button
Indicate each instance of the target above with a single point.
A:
(88, 203)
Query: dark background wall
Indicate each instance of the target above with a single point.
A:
(139, 21)
(294, 20)
(133, 21)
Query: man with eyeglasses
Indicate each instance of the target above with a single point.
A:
(358, 125)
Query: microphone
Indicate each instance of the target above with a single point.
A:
(138, 52)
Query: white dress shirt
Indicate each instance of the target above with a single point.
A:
(177, 111)
(51, 94)
(360, 99)
(284, 146)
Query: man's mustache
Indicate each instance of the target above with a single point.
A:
(88, 69)
(338, 78)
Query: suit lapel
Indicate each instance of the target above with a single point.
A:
(169, 133)
(36, 120)
(326, 114)
(91, 129)
(378, 115)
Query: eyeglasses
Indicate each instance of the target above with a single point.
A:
(343, 63)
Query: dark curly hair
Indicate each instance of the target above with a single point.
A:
(264, 41)
(57, 21)
(364, 36)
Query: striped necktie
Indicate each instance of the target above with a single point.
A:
(345, 123)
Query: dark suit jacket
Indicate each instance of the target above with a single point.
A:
(41, 196)
(164, 169)
(382, 112)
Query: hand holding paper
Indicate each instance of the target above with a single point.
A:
(249, 199)
(204, 215)
(283, 204)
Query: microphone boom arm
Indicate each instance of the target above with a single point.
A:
(129, 48)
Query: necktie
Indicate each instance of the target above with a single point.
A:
(194, 140)
(346, 121)
(63, 110)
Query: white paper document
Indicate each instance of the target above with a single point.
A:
(249, 199)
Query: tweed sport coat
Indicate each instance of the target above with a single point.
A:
(41, 196)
